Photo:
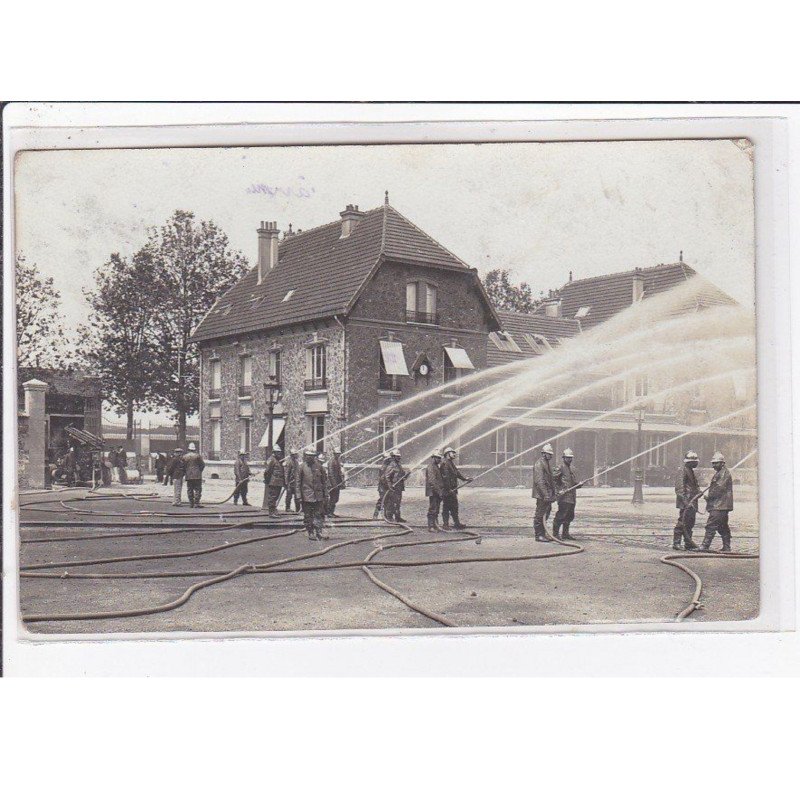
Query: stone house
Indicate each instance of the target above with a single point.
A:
(344, 320)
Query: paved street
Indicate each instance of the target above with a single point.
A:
(618, 577)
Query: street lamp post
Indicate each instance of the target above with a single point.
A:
(269, 390)
(638, 474)
(270, 387)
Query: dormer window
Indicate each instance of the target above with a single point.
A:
(504, 341)
(582, 312)
(537, 343)
(288, 296)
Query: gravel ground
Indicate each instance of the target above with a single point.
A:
(618, 578)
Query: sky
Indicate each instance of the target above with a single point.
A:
(538, 209)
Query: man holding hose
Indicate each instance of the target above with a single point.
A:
(566, 484)
(687, 495)
(719, 503)
(544, 491)
(274, 481)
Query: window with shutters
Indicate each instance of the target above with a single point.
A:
(421, 303)
(216, 440)
(245, 375)
(215, 385)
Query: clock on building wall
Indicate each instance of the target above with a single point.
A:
(422, 367)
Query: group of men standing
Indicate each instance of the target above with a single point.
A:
(180, 467)
(554, 485)
(312, 484)
(561, 483)
(719, 503)
(442, 478)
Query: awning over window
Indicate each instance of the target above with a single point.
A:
(394, 362)
(459, 358)
(278, 424)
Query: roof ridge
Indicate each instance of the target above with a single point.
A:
(319, 227)
(630, 272)
(428, 236)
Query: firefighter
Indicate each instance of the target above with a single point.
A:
(719, 503)
(451, 475)
(395, 478)
(687, 495)
(177, 472)
(241, 474)
(387, 459)
(544, 490)
(434, 489)
(312, 489)
(567, 484)
(274, 481)
(159, 465)
(290, 468)
(337, 482)
(195, 465)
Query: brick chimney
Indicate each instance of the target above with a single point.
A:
(351, 216)
(552, 304)
(267, 248)
(638, 285)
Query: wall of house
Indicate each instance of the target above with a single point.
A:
(379, 315)
(293, 400)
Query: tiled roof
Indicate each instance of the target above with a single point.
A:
(324, 272)
(517, 325)
(607, 295)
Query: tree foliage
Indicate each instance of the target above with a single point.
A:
(119, 343)
(505, 295)
(41, 341)
(194, 265)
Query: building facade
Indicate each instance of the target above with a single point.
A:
(334, 325)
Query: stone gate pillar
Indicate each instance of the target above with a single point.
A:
(37, 446)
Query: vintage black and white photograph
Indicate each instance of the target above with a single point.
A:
(386, 387)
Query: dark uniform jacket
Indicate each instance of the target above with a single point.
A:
(544, 487)
(194, 465)
(382, 482)
(336, 473)
(290, 470)
(434, 482)
(70, 461)
(395, 477)
(566, 481)
(273, 472)
(241, 470)
(177, 468)
(686, 488)
(451, 476)
(311, 482)
(168, 462)
(720, 492)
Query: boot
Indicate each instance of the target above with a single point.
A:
(457, 524)
(707, 539)
(432, 526)
(676, 540)
(689, 543)
(556, 532)
(726, 543)
(565, 533)
(375, 514)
